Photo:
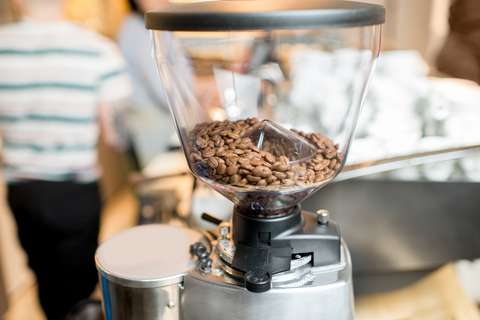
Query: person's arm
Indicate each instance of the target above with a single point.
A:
(113, 125)
(113, 93)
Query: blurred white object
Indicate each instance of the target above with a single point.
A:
(166, 164)
(405, 174)
(463, 97)
(439, 171)
(468, 273)
(471, 167)
(402, 63)
(240, 93)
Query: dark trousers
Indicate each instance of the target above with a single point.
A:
(58, 224)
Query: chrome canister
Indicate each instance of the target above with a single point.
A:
(141, 272)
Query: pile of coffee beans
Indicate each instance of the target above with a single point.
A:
(220, 152)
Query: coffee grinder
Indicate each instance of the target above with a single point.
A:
(276, 127)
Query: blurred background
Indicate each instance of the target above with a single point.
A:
(420, 125)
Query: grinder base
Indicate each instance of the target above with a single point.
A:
(324, 292)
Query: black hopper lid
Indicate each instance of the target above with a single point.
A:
(264, 15)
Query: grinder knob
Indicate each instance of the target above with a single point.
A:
(258, 281)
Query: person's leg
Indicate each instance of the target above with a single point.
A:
(58, 227)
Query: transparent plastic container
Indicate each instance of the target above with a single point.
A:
(265, 114)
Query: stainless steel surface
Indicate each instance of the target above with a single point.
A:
(137, 283)
(410, 227)
(224, 230)
(141, 271)
(127, 303)
(148, 256)
(323, 216)
(371, 167)
(320, 293)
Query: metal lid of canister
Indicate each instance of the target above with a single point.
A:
(147, 256)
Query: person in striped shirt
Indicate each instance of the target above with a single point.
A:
(58, 83)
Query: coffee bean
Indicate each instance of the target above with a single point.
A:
(220, 151)
(262, 183)
(322, 165)
(310, 173)
(320, 145)
(262, 171)
(254, 148)
(232, 135)
(243, 160)
(247, 165)
(333, 163)
(233, 169)
(208, 152)
(202, 132)
(235, 179)
(221, 169)
(196, 157)
(243, 171)
(270, 179)
(269, 157)
(288, 182)
(266, 164)
(256, 162)
(329, 153)
(253, 178)
(212, 162)
(202, 143)
(284, 160)
(330, 174)
(214, 132)
(280, 175)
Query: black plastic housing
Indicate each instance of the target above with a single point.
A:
(268, 245)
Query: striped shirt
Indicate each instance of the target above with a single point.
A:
(53, 76)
